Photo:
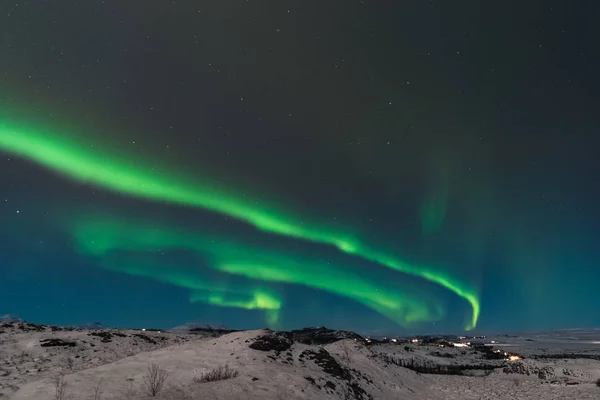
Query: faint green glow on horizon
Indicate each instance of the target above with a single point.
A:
(84, 163)
(204, 289)
(105, 238)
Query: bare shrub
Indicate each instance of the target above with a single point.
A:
(60, 387)
(218, 374)
(97, 391)
(69, 363)
(155, 379)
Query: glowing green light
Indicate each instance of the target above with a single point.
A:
(204, 288)
(83, 162)
(106, 238)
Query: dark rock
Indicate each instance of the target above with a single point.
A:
(57, 343)
(271, 341)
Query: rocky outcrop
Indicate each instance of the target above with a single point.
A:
(271, 341)
(321, 335)
(525, 368)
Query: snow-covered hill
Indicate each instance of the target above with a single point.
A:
(314, 363)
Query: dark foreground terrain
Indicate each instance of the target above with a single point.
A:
(199, 362)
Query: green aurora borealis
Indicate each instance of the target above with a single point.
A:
(82, 162)
(385, 167)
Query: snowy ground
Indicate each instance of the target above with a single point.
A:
(275, 367)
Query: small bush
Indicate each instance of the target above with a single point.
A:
(155, 379)
(218, 374)
(60, 387)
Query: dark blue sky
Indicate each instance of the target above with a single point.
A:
(459, 139)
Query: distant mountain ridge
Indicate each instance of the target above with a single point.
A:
(9, 318)
(196, 326)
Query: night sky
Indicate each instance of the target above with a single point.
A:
(380, 166)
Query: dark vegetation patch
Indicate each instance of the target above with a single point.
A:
(442, 355)
(218, 374)
(327, 363)
(57, 329)
(312, 381)
(568, 356)
(105, 336)
(358, 392)
(362, 376)
(430, 367)
(145, 338)
(330, 385)
(57, 343)
(27, 327)
(214, 332)
(271, 341)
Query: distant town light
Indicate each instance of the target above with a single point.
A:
(462, 344)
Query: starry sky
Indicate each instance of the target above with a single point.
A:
(380, 166)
